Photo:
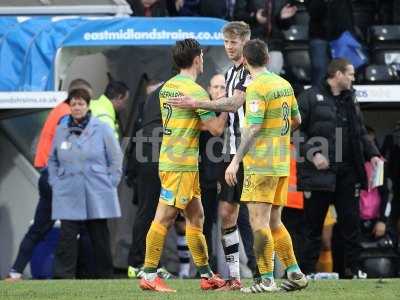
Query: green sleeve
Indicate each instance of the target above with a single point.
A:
(255, 106)
(201, 95)
(294, 110)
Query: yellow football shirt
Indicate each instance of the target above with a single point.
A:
(270, 102)
(181, 127)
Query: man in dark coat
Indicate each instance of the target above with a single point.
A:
(333, 146)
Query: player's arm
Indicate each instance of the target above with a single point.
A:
(229, 104)
(215, 125)
(247, 140)
(296, 121)
(295, 114)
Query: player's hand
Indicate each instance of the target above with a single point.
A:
(230, 173)
(379, 229)
(320, 162)
(182, 102)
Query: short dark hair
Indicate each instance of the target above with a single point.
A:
(256, 53)
(79, 93)
(184, 52)
(79, 83)
(337, 64)
(115, 88)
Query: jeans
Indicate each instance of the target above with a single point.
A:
(319, 56)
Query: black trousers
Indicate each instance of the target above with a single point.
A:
(66, 256)
(346, 201)
(148, 192)
(42, 224)
(294, 221)
(210, 206)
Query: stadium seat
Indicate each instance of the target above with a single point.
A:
(297, 63)
(385, 44)
(363, 15)
(381, 74)
(384, 33)
(296, 56)
(296, 33)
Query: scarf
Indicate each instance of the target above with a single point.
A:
(77, 128)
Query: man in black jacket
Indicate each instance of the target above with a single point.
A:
(333, 148)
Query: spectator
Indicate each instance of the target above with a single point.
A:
(182, 8)
(148, 8)
(328, 20)
(42, 222)
(391, 151)
(267, 22)
(334, 147)
(214, 9)
(113, 101)
(373, 216)
(373, 202)
(210, 149)
(84, 170)
(228, 9)
(143, 162)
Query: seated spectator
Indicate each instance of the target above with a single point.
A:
(182, 8)
(148, 8)
(267, 23)
(214, 9)
(391, 151)
(328, 20)
(373, 202)
(85, 167)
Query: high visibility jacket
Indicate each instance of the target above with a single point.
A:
(103, 109)
(47, 134)
(295, 198)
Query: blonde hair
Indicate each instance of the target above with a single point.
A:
(237, 29)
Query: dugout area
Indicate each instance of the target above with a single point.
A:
(41, 55)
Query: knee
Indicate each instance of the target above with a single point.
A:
(196, 219)
(166, 220)
(228, 214)
(275, 221)
(258, 223)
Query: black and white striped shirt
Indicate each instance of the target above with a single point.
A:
(235, 78)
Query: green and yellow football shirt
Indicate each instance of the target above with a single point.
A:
(180, 143)
(270, 102)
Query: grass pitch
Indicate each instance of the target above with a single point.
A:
(189, 289)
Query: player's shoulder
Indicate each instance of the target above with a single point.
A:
(171, 88)
(196, 90)
(277, 82)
